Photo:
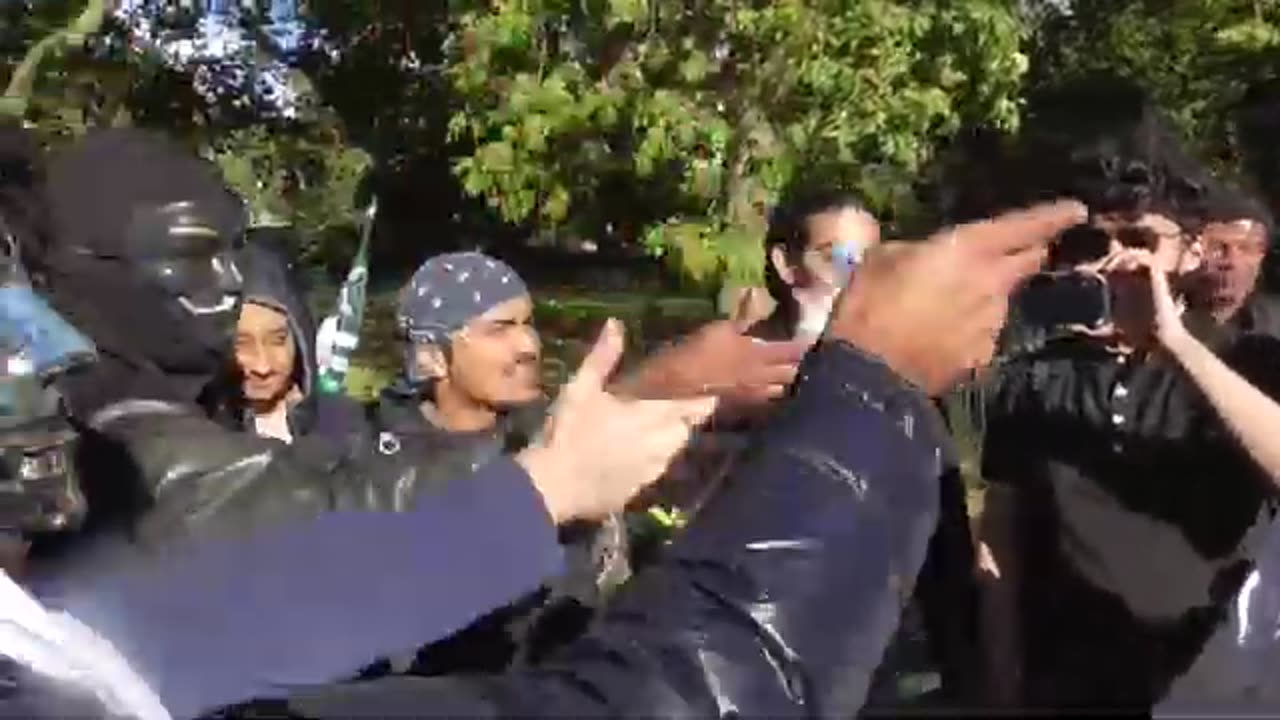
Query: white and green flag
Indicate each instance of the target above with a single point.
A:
(339, 334)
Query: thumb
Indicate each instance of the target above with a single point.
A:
(742, 312)
(601, 360)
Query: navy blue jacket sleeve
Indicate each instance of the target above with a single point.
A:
(778, 600)
(221, 620)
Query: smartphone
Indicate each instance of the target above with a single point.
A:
(1060, 299)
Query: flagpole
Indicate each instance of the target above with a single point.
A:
(349, 315)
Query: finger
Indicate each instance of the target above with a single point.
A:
(763, 393)
(693, 411)
(650, 414)
(1018, 267)
(788, 352)
(600, 361)
(1126, 260)
(1036, 226)
(741, 319)
(1159, 281)
(773, 375)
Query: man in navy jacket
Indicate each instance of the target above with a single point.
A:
(778, 600)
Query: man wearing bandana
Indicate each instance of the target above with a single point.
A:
(469, 391)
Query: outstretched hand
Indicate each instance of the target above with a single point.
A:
(599, 450)
(932, 310)
(718, 359)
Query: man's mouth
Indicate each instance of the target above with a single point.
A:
(524, 368)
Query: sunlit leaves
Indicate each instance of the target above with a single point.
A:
(1195, 56)
(708, 110)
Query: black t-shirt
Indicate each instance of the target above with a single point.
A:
(1138, 513)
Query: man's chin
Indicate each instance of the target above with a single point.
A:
(521, 396)
(264, 397)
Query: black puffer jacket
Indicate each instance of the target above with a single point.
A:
(525, 631)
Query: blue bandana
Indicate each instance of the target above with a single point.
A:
(449, 291)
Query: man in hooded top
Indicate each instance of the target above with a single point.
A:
(470, 390)
(273, 389)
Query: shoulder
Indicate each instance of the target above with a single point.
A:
(1256, 357)
(1264, 309)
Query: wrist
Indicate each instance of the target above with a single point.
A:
(1176, 340)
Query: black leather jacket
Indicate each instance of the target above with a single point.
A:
(595, 553)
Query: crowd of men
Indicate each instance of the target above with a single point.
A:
(193, 528)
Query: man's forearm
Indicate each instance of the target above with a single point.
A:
(1246, 411)
(218, 621)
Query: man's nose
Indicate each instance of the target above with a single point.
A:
(528, 341)
(256, 364)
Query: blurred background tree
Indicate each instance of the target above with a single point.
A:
(639, 127)
(675, 124)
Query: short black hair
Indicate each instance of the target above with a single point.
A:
(1226, 203)
(789, 227)
(1102, 140)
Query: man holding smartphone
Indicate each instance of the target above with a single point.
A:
(1124, 510)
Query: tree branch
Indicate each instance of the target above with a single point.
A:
(17, 96)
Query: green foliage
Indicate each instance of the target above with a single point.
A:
(306, 178)
(1196, 56)
(675, 124)
(52, 42)
(670, 126)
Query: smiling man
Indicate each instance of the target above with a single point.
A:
(471, 353)
(274, 391)
(470, 390)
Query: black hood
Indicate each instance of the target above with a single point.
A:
(93, 190)
(270, 279)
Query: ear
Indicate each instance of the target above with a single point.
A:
(782, 264)
(431, 361)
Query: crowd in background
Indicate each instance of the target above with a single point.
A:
(830, 568)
